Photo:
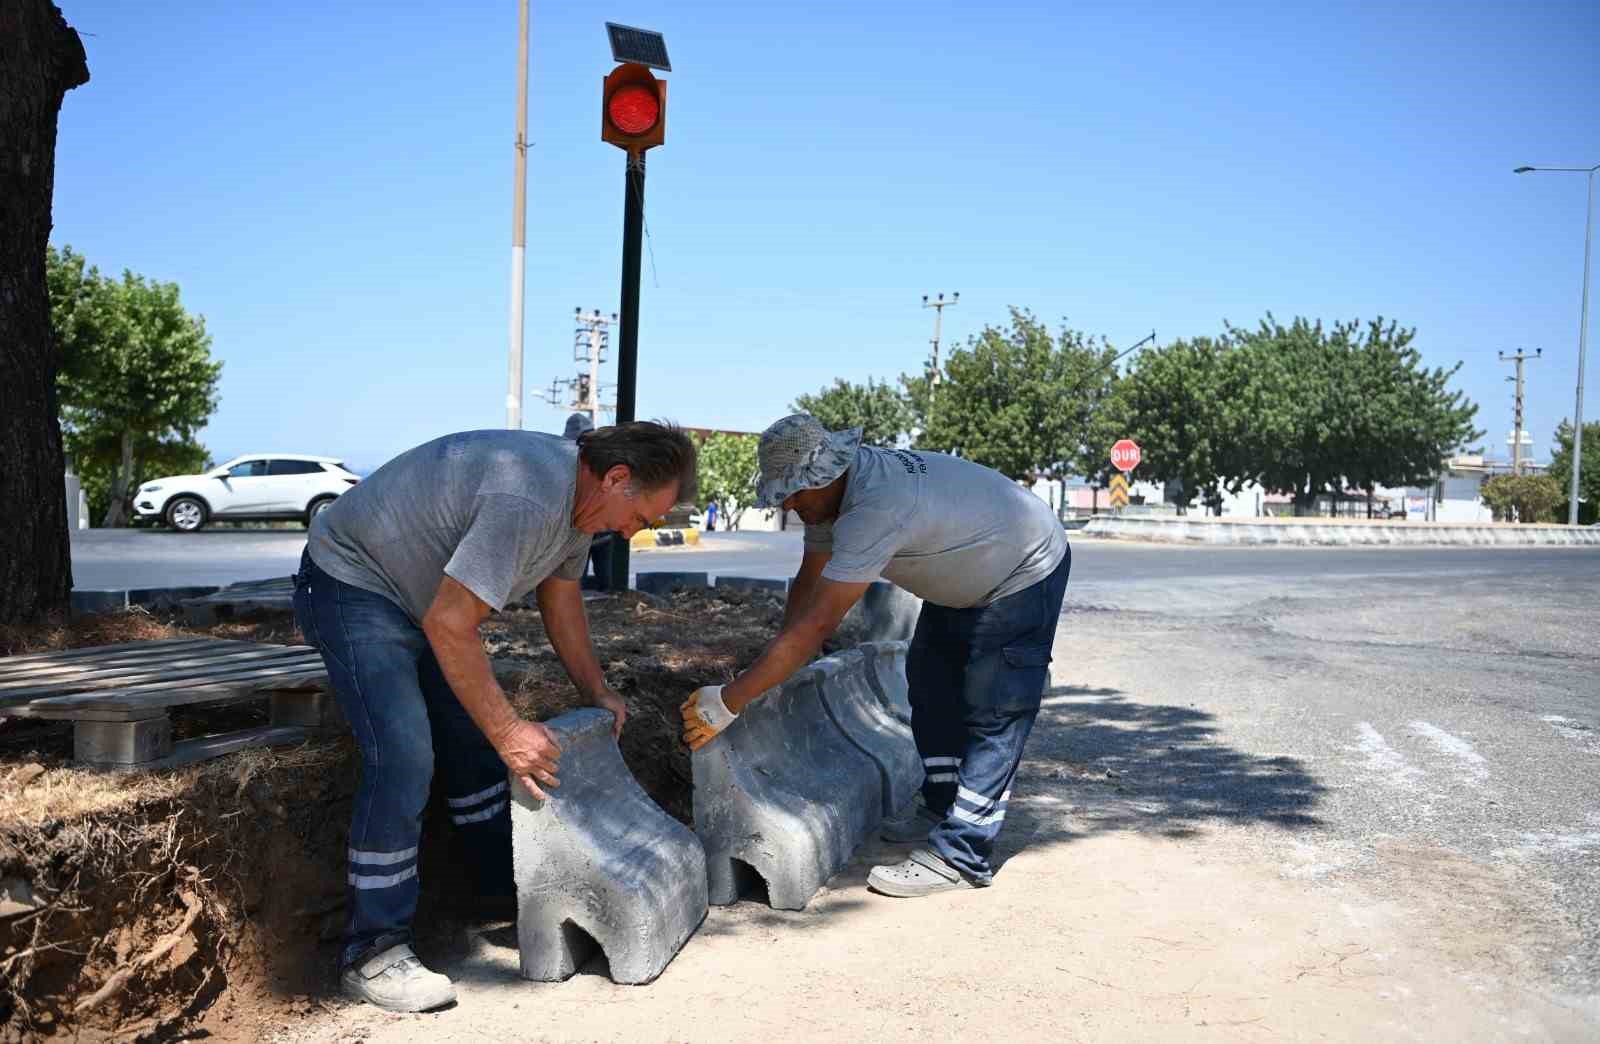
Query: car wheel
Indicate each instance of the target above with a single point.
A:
(317, 507)
(186, 514)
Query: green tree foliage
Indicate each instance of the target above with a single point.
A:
(137, 379)
(1588, 471)
(728, 470)
(1020, 401)
(874, 407)
(1183, 404)
(1524, 498)
(1352, 406)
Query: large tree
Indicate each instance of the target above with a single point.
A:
(137, 379)
(1327, 409)
(1020, 401)
(41, 58)
(727, 472)
(1182, 404)
(1588, 471)
(875, 407)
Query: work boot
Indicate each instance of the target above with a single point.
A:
(912, 826)
(395, 980)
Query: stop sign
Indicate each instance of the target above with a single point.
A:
(1125, 455)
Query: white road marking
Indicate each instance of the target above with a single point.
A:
(1476, 767)
(1385, 760)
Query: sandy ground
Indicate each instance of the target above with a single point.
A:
(1110, 920)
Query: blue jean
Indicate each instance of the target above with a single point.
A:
(976, 678)
(404, 716)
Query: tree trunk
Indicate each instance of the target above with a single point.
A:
(41, 58)
(117, 510)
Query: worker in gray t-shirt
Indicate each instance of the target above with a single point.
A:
(990, 561)
(397, 577)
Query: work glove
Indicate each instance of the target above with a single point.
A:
(704, 716)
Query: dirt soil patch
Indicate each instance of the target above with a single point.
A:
(145, 906)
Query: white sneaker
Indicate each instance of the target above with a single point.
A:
(395, 980)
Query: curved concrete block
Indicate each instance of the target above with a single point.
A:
(855, 708)
(600, 863)
(783, 793)
(886, 673)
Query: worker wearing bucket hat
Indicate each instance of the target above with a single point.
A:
(990, 562)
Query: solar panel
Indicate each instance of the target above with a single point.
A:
(644, 46)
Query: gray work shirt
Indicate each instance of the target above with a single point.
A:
(492, 509)
(952, 532)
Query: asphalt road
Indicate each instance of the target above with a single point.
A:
(1425, 720)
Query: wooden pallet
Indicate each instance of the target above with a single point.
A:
(249, 596)
(120, 697)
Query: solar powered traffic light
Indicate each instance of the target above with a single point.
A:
(634, 113)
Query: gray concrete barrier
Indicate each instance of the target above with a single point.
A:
(115, 601)
(886, 673)
(600, 864)
(853, 705)
(1313, 532)
(885, 613)
(666, 583)
(753, 583)
(784, 795)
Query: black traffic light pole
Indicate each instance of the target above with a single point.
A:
(628, 350)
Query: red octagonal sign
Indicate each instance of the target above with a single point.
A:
(1125, 455)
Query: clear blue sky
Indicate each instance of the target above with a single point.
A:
(330, 184)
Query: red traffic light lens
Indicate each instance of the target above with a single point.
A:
(633, 108)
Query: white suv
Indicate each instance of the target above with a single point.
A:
(260, 487)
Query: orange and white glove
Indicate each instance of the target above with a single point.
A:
(704, 716)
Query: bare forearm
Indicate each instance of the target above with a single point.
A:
(792, 649)
(800, 592)
(567, 626)
(466, 667)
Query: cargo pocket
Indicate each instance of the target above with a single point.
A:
(1008, 681)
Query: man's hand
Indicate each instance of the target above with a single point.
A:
(607, 699)
(704, 716)
(532, 754)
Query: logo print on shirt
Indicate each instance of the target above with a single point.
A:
(913, 463)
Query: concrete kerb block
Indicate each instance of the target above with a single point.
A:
(784, 794)
(97, 602)
(886, 673)
(854, 707)
(753, 583)
(665, 583)
(599, 863)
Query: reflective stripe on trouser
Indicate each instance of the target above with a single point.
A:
(975, 678)
(404, 718)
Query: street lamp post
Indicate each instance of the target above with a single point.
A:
(1583, 328)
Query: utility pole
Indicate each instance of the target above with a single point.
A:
(519, 225)
(590, 344)
(1516, 435)
(938, 304)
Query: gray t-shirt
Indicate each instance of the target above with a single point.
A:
(492, 509)
(952, 532)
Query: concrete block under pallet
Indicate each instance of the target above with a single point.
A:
(783, 794)
(600, 864)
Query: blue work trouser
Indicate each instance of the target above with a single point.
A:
(976, 678)
(403, 715)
